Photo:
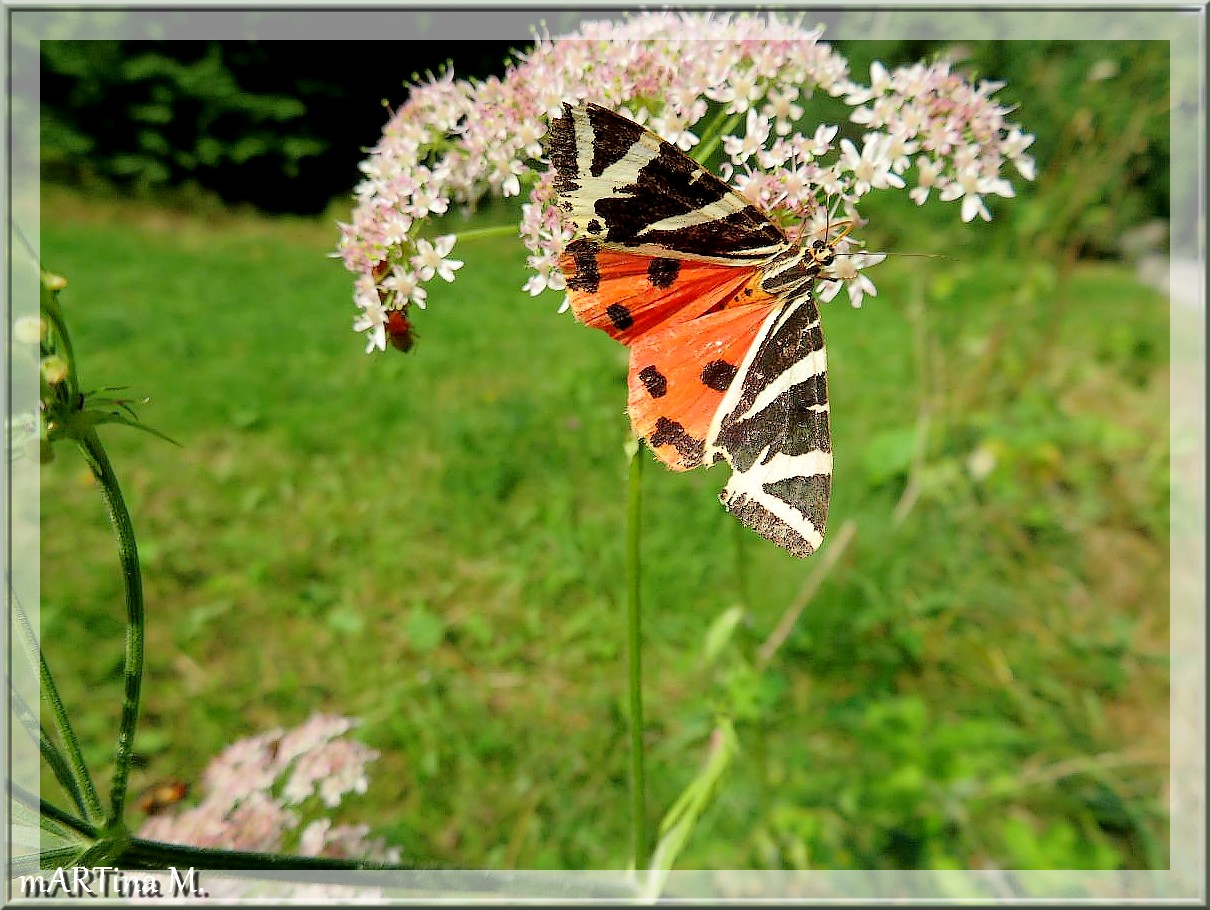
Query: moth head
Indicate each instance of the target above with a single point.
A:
(823, 252)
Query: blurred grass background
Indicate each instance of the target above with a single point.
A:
(433, 543)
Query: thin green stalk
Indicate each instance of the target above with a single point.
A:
(495, 230)
(128, 555)
(760, 728)
(760, 749)
(31, 863)
(638, 780)
(47, 812)
(62, 771)
(147, 854)
(51, 753)
(22, 799)
(713, 134)
(54, 314)
(78, 782)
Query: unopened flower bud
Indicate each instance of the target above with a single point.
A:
(54, 369)
(29, 329)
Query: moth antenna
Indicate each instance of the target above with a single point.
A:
(841, 236)
(912, 255)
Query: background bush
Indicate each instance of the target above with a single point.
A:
(279, 125)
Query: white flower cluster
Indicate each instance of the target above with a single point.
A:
(698, 80)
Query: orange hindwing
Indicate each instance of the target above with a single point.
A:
(679, 375)
(628, 295)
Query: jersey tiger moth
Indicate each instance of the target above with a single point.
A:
(717, 306)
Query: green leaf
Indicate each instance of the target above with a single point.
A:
(890, 454)
(720, 632)
(680, 820)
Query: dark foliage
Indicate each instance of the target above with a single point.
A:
(280, 125)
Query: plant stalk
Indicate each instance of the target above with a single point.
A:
(71, 771)
(128, 555)
(638, 781)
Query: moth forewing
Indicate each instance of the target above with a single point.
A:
(627, 188)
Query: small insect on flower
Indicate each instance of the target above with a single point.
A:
(400, 331)
(160, 796)
(718, 308)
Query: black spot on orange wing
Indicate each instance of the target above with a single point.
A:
(587, 275)
(654, 381)
(669, 432)
(718, 374)
(619, 316)
(662, 272)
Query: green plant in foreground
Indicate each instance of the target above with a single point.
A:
(91, 834)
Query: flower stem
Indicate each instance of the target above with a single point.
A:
(713, 134)
(638, 783)
(495, 230)
(70, 770)
(128, 555)
(53, 313)
(147, 854)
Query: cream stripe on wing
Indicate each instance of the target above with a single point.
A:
(730, 204)
(731, 399)
(810, 366)
(751, 484)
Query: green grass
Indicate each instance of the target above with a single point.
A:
(434, 543)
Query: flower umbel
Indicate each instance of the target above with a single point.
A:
(257, 789)
(700, 81)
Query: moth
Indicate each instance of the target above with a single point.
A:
(717, 306)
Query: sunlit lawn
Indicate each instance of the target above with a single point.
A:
(433, 543)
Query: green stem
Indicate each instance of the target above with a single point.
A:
(147, 854)
(638, 783)
(55, 815)
(51, 754)
(495, 230)
(49, 812)
(712, 135)
(46, 859)
(128, 554)
(62, 771)
(53, 312)
(78, 782)
(760, 749)
(760, 728)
